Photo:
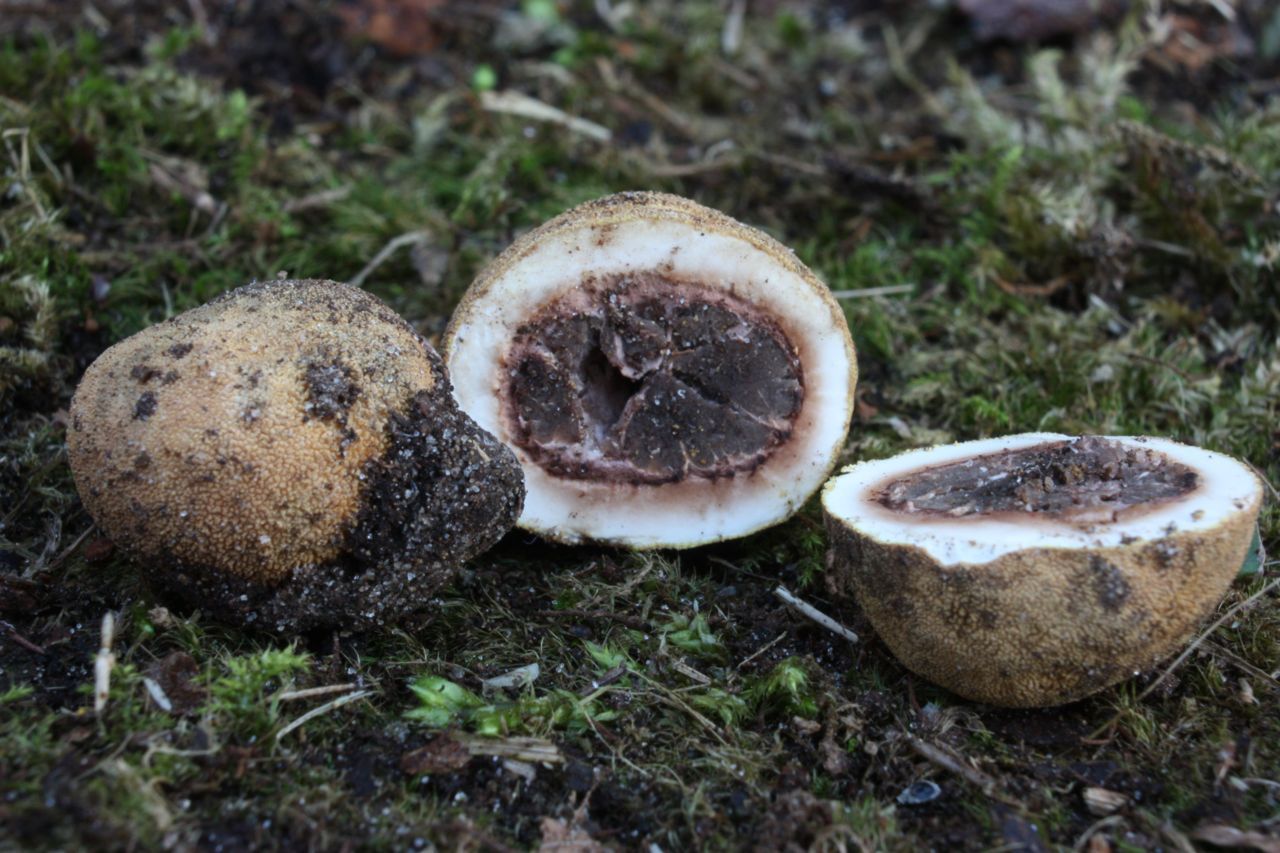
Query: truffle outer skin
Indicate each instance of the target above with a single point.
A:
(1039, 626)
(242, 452)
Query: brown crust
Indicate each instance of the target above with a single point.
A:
(1040, 626)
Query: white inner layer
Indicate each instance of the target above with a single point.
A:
(1226, 488)
(648, 516)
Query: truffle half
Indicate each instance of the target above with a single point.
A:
(667, 377)
(288, 455)
(1036, 569)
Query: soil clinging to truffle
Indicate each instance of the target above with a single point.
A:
(645, 379)
(308, 467)
(443, 492)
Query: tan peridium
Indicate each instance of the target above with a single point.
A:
(1040, 626)
(604, 213)
(204, 440)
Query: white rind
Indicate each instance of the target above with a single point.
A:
(647, 516)
(1226, 487)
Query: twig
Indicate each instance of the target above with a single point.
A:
(66, 552)
(605, 680)
(519, 104)
(815, 614)
(684, 170)
(884, 290)
(1257, 672)
(323, 198)
(519, 748)
(1137, 356)
(749, 658)
(1162, 246)
(668, 114)
(1187, 652)
(731, 35)
(669, 697)
(680, 705)
(387, 251)
(951, 763)
(1094, 828)
(1204, 635)
(323, 709)
(311, 692)
(1047, 289)
(103, 664)
(805, 168)
(21, 640)
(1263, 477)
(689, 672)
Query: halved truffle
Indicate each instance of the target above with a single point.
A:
(666, 375)
(288, 455)
(1036, 569)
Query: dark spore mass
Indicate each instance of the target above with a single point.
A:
(1056, 478)
(651, 380)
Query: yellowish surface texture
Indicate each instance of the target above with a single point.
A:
(234, 436)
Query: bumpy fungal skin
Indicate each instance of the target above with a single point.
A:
(288, 455)
(1040, 626)
(677, 487)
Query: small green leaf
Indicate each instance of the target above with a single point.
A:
(693, 636)
(1255, 556)
(604, 656)
(443, 701)
(785, 690)
(484, 78)
(542, 11)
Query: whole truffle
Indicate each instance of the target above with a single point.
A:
(288, 455)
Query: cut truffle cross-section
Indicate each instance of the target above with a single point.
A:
(642, 379)
(1083, 479)
(1036, 569)
(667, 376)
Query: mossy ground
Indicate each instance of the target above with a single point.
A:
(1084, 236)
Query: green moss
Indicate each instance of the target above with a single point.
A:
(1076, 252)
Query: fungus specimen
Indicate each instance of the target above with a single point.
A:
(666, 375)
(1035, 569)
(288, 455)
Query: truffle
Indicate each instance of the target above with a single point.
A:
(289, 455)
(667, 376)
(1036, 569)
